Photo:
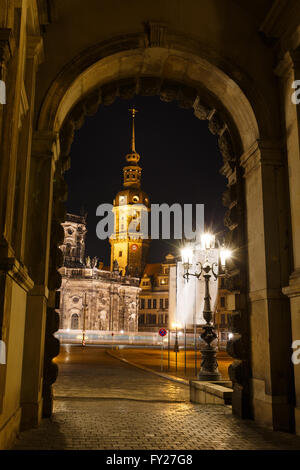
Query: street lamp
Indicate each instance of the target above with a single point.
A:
(176, 345)
(83, 324)
(209, 366)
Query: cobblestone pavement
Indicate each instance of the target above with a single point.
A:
(102, 403)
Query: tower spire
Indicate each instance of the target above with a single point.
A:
(133, 111)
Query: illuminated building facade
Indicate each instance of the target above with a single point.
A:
(93, 297)
(154, 295)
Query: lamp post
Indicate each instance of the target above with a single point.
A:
(83, 325)
(176, 345)
(209, 367)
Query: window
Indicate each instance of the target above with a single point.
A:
(120, 254)
(151, 319)
(222, 301)
(223, 319)
(154, 303)
(161, 319)
(222, 282)
(161, 303)
(149, 303)
(166, 303)
(141, 319)
(74, 321)
(142, 303)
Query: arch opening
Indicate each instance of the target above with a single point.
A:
(230, 117)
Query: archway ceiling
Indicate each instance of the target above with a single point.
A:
(173, 75)
(206, 31)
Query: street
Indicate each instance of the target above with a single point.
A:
(152, 359)
(103, 403)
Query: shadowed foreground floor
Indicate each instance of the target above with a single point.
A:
(102, 403)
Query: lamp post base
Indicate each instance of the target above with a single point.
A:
(209, 367)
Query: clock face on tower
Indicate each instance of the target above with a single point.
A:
(134, 247)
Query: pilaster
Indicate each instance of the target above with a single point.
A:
(45, 151)
(268, 268)
(288, 69)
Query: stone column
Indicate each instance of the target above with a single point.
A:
(45, 150)
(289, 70)
(54, 283)
(7, 116)
(236, 280)
(34, 55)
(268, 268)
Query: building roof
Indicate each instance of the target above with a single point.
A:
(152, 268)
(79, 219)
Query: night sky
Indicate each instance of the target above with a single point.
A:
(179, 157)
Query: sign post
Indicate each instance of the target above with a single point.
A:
(162, 332)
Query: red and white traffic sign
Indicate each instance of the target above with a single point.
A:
(162, 332)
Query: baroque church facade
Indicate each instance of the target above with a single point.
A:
(95, 298)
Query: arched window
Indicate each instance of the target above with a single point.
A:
(74, 321)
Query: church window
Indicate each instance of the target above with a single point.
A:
(74, 321)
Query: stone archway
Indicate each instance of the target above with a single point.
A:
(251, 158)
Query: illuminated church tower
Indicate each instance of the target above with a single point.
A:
(129, 247)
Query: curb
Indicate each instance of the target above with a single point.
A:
(160, 374)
